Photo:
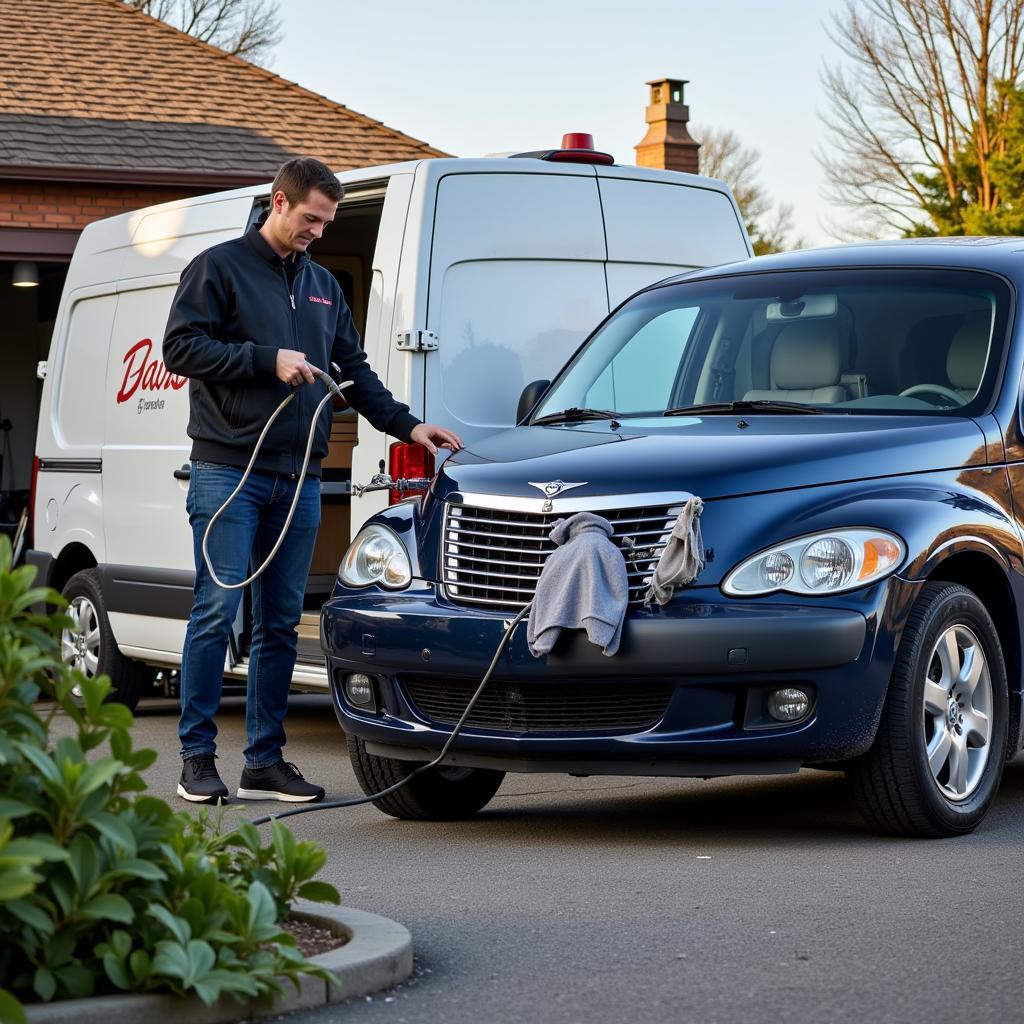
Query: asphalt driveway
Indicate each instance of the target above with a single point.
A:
(608, 900)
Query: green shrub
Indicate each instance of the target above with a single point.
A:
(104, 888)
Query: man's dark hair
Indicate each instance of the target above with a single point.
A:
(298, 177)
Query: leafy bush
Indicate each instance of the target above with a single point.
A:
(104, 888)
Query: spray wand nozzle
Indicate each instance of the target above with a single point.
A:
(328, 380)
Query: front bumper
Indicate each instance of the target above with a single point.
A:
(718, 656)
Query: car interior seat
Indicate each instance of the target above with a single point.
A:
(806, 365)
(965, 363)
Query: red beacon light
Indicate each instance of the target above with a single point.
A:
(577, 148)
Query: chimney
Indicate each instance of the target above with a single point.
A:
(667, 144)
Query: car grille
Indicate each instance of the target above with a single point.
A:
(541, 707)
(494, 557)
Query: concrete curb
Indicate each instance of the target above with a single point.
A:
(378, 954)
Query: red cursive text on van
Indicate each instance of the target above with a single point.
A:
(149, 374)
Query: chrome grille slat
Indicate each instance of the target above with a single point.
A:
(650, 561)
(490, 547)
(494, 557)
(504, 575)
(491, 586)
(490, 561)
(548, 520)
(455, 534)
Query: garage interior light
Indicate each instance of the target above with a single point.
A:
(25, 275)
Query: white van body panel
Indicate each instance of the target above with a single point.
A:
(72, 509)
(509, 262)
(69, 492)
(165, 239)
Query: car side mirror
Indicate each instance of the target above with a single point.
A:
(532, 394)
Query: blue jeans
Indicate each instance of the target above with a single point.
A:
(244, 534)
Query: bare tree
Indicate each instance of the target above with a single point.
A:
(724, 156)
(244, 28)
(917, 89)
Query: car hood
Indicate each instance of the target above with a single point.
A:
(712, 456)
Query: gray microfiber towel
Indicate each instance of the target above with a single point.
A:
(683, 557)
(583, 585)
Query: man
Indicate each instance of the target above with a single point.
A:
(252, 317)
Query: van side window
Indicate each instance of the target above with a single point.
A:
(642, 375)
(83, 371)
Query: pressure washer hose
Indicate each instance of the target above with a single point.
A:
(332, 390)
(355, 801)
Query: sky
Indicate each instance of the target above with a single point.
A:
(480, 77)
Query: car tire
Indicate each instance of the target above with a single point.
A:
(90, 646)
(441, 794)
(937, 759)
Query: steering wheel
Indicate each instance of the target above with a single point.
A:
(936, 389)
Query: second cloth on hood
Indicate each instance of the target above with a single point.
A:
(682, 560)
(583, 585)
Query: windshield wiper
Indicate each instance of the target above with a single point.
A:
(575, 415)
(754, 405)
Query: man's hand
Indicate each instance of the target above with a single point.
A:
(432, 438)
(292, 367)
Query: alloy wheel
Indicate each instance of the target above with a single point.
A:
(957, 712)
(80, 645)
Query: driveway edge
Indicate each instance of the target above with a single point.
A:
(378, 954)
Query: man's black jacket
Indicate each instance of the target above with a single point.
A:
(236, 305)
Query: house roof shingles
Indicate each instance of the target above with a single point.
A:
(108, 87)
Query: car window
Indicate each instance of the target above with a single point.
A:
(642, 375)
(908, 341)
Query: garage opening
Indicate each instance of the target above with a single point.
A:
(30, 292)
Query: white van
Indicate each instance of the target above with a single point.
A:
(467, 280)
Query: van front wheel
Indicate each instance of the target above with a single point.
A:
(89, 646)
(442, 794)
(937, 759)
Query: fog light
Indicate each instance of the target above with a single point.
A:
(788, 704)
(359, 690)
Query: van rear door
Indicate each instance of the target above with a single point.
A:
(659, 223)
(516, 282)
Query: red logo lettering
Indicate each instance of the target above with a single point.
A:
(322, 301)
(148, 374)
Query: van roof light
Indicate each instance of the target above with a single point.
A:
(576, 148)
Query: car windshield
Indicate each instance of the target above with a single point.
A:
(887, 341)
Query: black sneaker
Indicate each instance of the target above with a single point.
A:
(200, 782)
(281, 781)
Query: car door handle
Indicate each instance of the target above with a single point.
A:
(184, 473)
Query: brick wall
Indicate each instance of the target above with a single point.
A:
(70, 206)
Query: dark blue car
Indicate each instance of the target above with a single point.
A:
(851, 419)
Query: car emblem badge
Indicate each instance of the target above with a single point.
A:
(552, 488)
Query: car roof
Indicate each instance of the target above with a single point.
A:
(1002, 255)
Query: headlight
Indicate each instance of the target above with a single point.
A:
(822, 563)
(376, 556)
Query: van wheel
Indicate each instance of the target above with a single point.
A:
(89, 644)
(937, 759)
(442, 794)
